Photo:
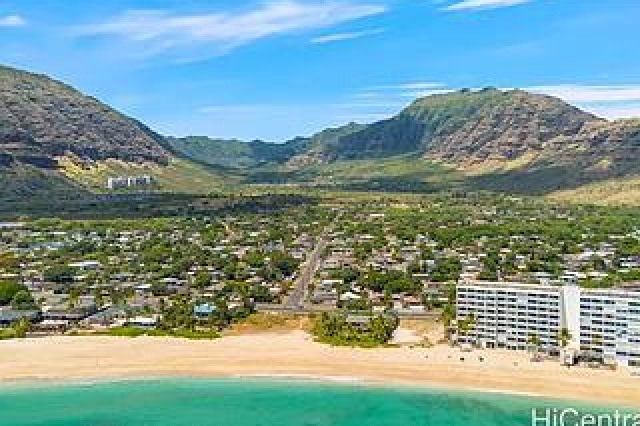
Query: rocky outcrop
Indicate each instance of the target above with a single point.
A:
(40, 117)
(508, 126)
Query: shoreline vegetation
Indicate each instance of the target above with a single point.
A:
(255, 323)
(341, 329)
(290, 354)
(155, 332)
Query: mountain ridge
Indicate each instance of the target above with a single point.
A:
(43, 118)
(487, 131)
(506, 140)
(49, 131)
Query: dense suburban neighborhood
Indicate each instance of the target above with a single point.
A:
(356, 267)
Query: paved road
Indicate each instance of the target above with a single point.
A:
(313, 309)
(306, 273)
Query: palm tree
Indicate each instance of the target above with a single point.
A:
(162, 306)
(447, 316)
(380, 329)
(466, 325)
(22, 327)
(472, 324)
(595, 355)
(129, 295)
(74, 297)
(564, 337)
(534, 341)
(97, 295)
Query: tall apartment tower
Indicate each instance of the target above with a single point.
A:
(602, 323)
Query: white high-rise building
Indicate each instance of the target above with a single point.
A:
(508, 314)
(610, 325)
(128, 181)
(605, 323)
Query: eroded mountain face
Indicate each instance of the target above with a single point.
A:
(499, 140)
(41, 118)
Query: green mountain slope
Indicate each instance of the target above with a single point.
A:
(231, 153)
(489, 139)
(41, 117)
(465, 127)
(54, 141)
(510, 141)
(240, 154)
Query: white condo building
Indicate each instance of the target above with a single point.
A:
(610, 325)
(602, 323)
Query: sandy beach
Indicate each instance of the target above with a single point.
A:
(295, 354)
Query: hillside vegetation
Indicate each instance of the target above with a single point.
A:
(58, 142)
(510, 141)
(179, 175)
(41, 118)
(243, 155)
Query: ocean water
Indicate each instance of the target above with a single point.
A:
(253, 402)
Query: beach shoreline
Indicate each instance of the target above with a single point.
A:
(295, 356)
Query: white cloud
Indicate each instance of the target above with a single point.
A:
(608, 101)
(423, 93)
(399, 94)
(345, 36)
(586, 93)
(368, 95)
(413, 85)
(483, 4)
(158, 31)
(368, 105)
(363, 118)
(615, 111)
(12, 21)
(573, 93)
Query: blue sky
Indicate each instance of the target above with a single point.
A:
(274, 69)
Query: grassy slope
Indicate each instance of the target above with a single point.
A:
(24, 182)
(405, 172)
(415, 173)
(453, 107)
(402, 168)
(405, 167)
(624, 191)
(179, 176)
(217, 152)
(400, 172)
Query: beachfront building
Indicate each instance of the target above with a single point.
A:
(610, 325)
(506, 315)
(604, 324)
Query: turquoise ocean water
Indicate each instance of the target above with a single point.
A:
(252, 402)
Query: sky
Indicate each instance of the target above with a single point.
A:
(275, 69)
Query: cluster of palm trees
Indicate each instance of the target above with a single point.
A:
(465, 326)
(334, 329)
(563, 337)
(18, 330)
(179, 315)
